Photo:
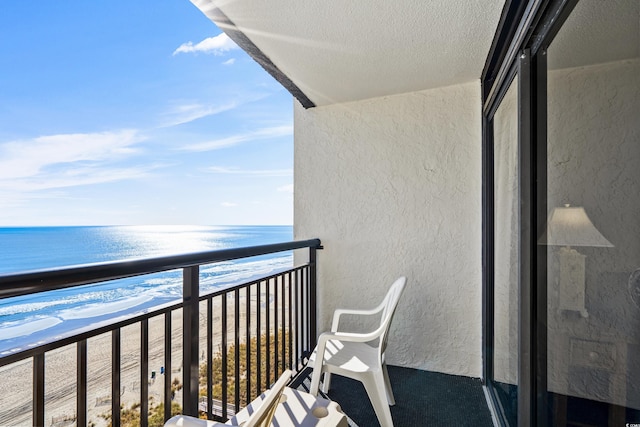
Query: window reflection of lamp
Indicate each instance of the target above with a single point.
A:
(570, 226)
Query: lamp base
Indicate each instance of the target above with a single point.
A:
(572, 281)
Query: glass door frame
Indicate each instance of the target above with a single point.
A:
(489, 231)
(519, 47)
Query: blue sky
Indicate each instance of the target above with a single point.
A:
(137, 112)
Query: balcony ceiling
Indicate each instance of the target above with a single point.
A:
(336, 51)
(597, 32)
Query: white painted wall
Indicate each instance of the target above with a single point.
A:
(392, 186)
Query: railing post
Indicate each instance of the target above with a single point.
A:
(81, 381)
(144, 373)
(116, 364)
(167, 366)
(313, 298)
(190, 338)
(38, 389)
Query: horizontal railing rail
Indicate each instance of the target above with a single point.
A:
(17, 284)
(267, 325)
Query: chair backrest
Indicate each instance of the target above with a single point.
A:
(390, 304)
(264, 414)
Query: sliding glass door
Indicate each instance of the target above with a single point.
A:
(562, 214)
(593, 227)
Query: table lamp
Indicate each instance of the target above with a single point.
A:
(570, 226)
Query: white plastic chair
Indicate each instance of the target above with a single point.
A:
(260, 418)
(360, 355)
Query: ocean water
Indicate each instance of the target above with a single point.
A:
(28, 320)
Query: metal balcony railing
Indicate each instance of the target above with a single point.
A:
(263, 327)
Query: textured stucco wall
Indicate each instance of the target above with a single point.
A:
(392, 186)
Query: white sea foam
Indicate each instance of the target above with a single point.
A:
(15, 306)
(254, 267)
(10, 332)
(30, 307)
(101, 309)
(228, 273)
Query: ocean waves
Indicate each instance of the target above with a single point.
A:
(28, 320)
(24, 329)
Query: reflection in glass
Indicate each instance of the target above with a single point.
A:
(593, 363)
(505, 345)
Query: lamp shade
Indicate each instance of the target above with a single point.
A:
(570, 226)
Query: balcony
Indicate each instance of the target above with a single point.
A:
(158, 362)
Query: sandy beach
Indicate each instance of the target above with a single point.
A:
(60, 365)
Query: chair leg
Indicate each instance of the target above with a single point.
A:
(315, 378)
(374, 384)
(326, 382)
(387, 384)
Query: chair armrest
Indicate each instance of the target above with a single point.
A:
(340, 311)
(349, 336)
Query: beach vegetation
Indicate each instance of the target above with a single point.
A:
(130, 416)
(252, 375)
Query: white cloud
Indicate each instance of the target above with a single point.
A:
(286, 188)
(257, 172)
(217, 45)
(229, 61)
(65, 160)
(186, 113)
(228, 204)
(28, 157)
(80, 176)
(264, 133)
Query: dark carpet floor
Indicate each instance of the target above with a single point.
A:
(422, 399)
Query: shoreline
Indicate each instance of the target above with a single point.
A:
(69, 322)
